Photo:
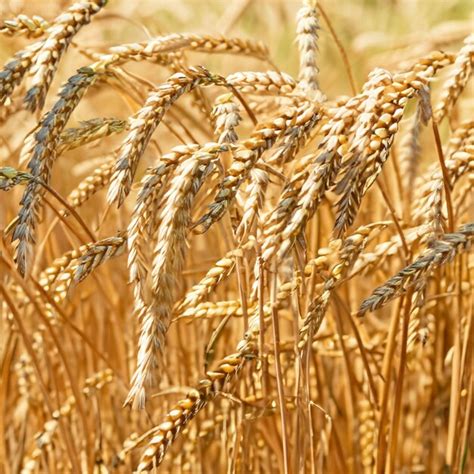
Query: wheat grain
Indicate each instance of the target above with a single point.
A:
(23, 25)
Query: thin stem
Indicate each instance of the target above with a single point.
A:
(341, 49)
(444, 170)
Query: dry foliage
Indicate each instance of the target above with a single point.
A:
(216, 266)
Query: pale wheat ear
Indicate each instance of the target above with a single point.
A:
(307, 38)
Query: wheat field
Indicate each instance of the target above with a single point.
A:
(236, 236)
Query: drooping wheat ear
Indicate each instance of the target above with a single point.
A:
(307, 38)
(90, 131)
(76, 265)
(47, 136)
(296, 136)
(262, 83)
(376, 129)
(152, 49)
(439, 253)
(226, 117)
(145, 121)
(244, 158)
(174, 222)
(93, 183)
(14, 71)
(218, 272)
(454, 86)
(215, 381)
(253, 203)
(44, 438)
(430, 207)
(300, 201)
(60, 35)
(145, 217)
(22, 25)
(43, 155)
(98, 253)
(185, 410)
(350, 249)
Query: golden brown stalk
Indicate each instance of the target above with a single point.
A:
(145, 121)
(22, 25)
(47, 137)
(60, 35)
(454, 86)
(439, 253)
(175, 218)
(307, 38)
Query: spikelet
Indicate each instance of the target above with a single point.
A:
(307, 38)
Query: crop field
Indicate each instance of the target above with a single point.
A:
(236, 236)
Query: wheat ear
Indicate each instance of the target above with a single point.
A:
(439, 253)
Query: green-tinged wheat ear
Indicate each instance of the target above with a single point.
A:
(439, 253)
(46, 138)
(59, 37)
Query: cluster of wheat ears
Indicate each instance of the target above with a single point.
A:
(241, 274)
